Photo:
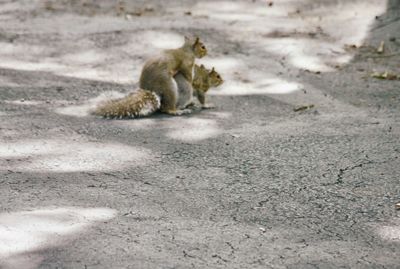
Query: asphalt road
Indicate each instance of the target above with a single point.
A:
(258, 182)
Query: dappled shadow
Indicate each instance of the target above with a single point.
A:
(303, 32)
(69, 155)
(250, 182)
(301, 35)
(389, 232)
(25, 235)
(185, 129)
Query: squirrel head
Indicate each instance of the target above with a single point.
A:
(196, 46)
(215, 78)
(205, 78)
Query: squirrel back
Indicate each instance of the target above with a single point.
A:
(137, 104)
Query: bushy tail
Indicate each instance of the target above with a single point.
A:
(137, 104)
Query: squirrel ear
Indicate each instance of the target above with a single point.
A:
(212, 70)
(202, 66)
(197, 40)
(187, 39)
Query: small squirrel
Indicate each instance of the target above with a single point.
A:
(203, 80)
(144, 102)
(203, 83)
(158, 73)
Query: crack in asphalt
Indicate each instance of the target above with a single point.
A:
(231, 247)
(219, 258)
(339, 179)
(340, 175)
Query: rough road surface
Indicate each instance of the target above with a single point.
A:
(297, 167)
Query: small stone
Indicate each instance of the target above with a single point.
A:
(397, 206)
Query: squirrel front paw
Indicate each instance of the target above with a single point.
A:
(208, 106)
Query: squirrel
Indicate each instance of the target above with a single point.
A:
(203, 83)
(158, 73)
(203, 80)
(143, 102)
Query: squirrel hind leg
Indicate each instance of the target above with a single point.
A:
(185, 111)
(178, 112)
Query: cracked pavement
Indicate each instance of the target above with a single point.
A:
(250, 184)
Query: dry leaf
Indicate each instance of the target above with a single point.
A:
(49, 6)
(381, 48)
(350, 47)
(149, 9)
(301, 108)
(385, 75)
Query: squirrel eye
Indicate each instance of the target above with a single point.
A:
(218, 77)
(203, 47)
